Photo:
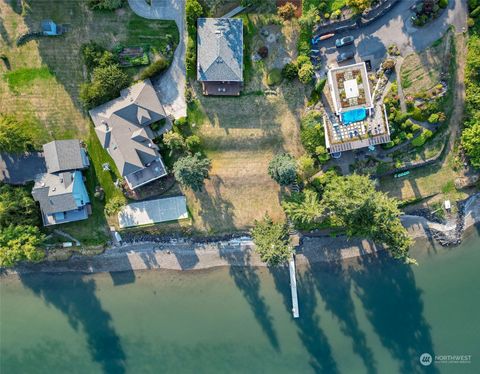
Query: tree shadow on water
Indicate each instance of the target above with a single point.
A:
(75, 297)
(308, 325)
(248, 282)
(334, 286)
(393, 305)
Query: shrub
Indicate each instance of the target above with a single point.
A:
(274, 77)
(416, 128)
(476, 12)
(311, 132)
(336, 14)
(106, 84)
(443, 3)
(174, 141)
(193, 10)
(287, 11)
(290, 71)
(105, 4)
(433, 118)
(472, 4)
(115, 204)
(191, 57)
(388, 64)
(306, 167)
(263, 52)
(302, 60)
(193, 143)
(155, 68)
(94, 55)
(306, 73)
(283, 169)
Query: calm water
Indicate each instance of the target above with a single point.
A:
(376, 316)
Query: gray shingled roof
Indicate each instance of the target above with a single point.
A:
(63, 155)
(54, 192)
(122, 126)
(220, 49)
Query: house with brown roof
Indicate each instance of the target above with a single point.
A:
(220, 55)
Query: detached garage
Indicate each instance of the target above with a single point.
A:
(153, 211)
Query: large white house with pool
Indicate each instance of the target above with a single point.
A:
(355, 120)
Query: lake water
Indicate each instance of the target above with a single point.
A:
(372, 315)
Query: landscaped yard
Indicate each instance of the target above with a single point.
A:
(42, 78)
(241, 135)
(426, 181)
(422, 71)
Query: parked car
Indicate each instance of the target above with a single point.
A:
(346, 40)
(345, 56)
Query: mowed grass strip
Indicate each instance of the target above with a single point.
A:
(24, 77)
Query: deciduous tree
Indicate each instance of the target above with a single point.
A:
(20, 242)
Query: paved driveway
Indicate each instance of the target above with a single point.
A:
(395, 27)
(171, 84)
(20, 169)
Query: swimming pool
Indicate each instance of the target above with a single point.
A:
(355, 115)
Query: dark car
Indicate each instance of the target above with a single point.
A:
(346, 40)
(345, 56)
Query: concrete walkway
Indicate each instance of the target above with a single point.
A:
(171, 84)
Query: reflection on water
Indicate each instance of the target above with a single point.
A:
(370, 314)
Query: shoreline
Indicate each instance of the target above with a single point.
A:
(187, 255)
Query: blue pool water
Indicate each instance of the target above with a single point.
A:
(354, 116)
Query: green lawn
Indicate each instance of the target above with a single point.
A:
(24, 77)
(156, 35)
(42, 79)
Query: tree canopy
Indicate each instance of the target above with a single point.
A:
(20, 242)
(191, 171)
(353, 203)
(283, 169)
(271, 240)
(19, 237)
(365, 212)
(17, 206)
(107, 82)
(17, 136)
(471, 132)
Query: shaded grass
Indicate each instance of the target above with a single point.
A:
(99, 156)
(154, 34)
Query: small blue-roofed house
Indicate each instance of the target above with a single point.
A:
(49, 28)
(61, 191)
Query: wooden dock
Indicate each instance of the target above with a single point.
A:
(293, 287)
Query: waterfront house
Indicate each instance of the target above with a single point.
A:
(61, 191)
(123, 126)
(220, 56)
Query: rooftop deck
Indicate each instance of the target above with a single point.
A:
(154, 171)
